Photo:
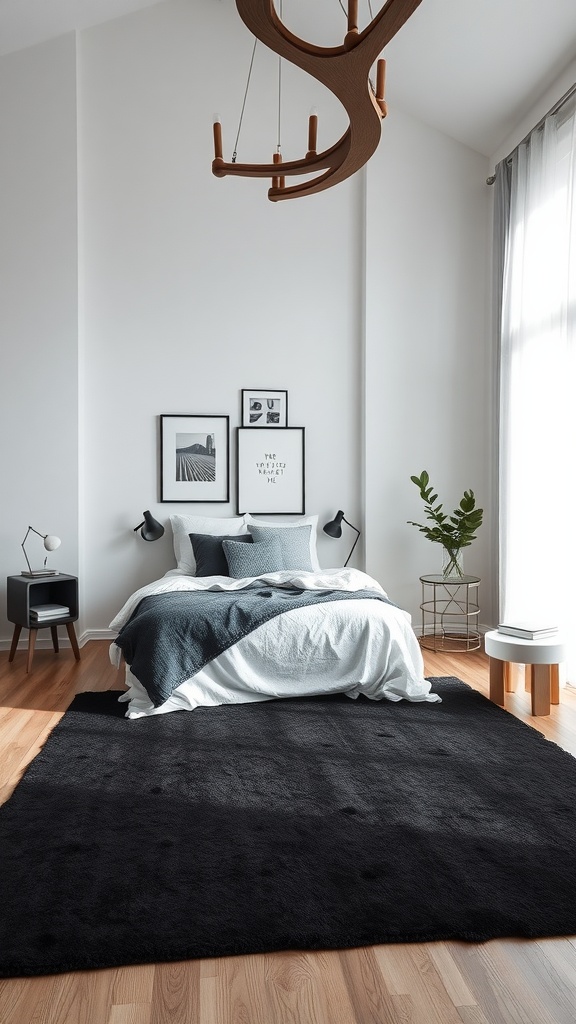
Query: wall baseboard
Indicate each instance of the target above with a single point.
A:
(98, 634)
(45, 643)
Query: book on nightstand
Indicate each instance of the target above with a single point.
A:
(527, 630)
(41, 612)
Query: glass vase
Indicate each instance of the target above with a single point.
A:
(452, 563)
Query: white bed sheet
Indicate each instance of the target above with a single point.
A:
(359, 646)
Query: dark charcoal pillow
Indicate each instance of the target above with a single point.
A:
(209, 553)
(262, 557)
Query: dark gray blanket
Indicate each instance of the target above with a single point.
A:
(170, 637)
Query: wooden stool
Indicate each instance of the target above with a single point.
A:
(542, 659)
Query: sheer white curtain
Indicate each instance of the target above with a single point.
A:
(538, 381)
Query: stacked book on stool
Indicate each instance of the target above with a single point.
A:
(527, 630)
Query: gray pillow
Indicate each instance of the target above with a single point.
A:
(209, 553)
(294, 544)
(255, 559)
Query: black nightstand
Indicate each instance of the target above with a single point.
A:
(24, 593)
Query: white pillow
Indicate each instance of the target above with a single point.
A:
(183, 526)
(303, 521)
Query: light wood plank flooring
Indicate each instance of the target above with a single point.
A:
(499, 982)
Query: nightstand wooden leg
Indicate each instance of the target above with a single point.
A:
(509, 677)
(540, 689)
(14, 645)
(497, 681)
(528, 677)
(73, 640)
(554, 684)
(54, 631)
(31, 645)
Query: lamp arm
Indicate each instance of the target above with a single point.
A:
(350, 525)
(355, 542)
(44, 535)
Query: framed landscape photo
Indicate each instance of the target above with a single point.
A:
(194, 458)
(263, 408)
(271, 471)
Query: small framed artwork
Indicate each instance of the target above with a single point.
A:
(194, 458)
(261, 408)
(271, 471)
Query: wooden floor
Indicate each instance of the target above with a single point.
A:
(498, 982)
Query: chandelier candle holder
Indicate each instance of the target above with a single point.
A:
(312, 136)
(345, 71)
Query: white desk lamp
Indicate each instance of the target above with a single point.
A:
(50, 543)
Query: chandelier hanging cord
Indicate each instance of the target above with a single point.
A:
(279, 131)
(279, 136)
(235, 153)
(279, 182)
(346, 12)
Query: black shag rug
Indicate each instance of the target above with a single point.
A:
(292, 824)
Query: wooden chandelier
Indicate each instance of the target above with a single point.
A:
(345, 71)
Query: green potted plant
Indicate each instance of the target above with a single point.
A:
(454, 532)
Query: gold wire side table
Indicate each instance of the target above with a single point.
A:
(450, 613)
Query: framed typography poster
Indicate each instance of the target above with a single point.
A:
(271, 471)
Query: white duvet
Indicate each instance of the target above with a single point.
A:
(355, 646)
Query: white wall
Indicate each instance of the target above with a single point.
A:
(429, 355)
(538, 111)
(38, 308)
(192, 288)
(196, 287)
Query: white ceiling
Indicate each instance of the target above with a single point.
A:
(27, 22)
(472, 68)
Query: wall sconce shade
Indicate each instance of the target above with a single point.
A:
(334, 529)
(150, 529)
(50, 544)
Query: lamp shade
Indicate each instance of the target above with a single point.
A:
(150, 529)
(334, 527)
(51, 542)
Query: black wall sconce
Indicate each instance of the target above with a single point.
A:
(150, 529)
(334, 529)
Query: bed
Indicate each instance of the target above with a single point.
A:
(268, 624)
